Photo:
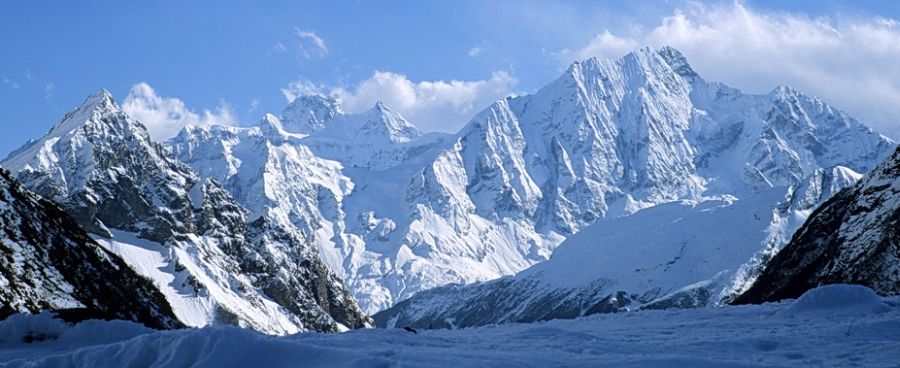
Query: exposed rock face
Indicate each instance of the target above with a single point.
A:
(671, 191)
(395, 212)
(213, 262)
(304, 178)
(48, 262)
(236, 219)
(854, 238)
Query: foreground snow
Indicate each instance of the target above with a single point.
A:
(836, 325)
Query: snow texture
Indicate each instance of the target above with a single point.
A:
(853, 238)
(47, 262)
(744, 336)
(641, 143)
(838, 298)
(213, 263)
(264, 226)
(395, 212)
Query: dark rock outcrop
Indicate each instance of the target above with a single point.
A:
(48, 262)
(854, 238)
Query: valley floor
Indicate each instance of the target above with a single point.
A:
(841, 326)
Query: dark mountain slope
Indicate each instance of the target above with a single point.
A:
(48, 262)
(853, 238)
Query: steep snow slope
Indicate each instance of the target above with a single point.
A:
(49, 263)
(617, 264)
(399, 212)
(377, 139)
(852, 238)
(212, 262)
(611, 137)
(836, 326)
(680, 254)
(289, 175)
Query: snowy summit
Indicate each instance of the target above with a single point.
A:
(627, 211)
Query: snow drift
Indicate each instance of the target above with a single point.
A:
(745, 336)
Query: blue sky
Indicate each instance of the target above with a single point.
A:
(232, 61)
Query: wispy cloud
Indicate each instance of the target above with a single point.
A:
(31, 83)
(10, 83)
(850, 62)
(430, 105)
(478, 49)
(301, 87)
(165, 116)
(48, 89)
(309, 44)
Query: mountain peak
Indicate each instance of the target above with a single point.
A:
(785, 91)
(851, 238)
(85, 136)
(101, 96)
(308, 113)
(381, 109)
(381, 121)
(100, 100)
(271, 120)
(641, 62)
(98, 103)
(640, 55)
(669, 55)
(309, 99)
(677, 61)
(272, 127)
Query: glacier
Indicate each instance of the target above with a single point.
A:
(212, 261)
(316, 217)
(395, 211)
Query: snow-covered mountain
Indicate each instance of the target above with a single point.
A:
(212, 260)
(614, 138)
(232, 222)
(394, 211)
(853, 238)
(324, 174)
(376, 139)
(49, 263)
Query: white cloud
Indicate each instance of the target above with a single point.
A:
(310, 44)
(850, 62)
(279, 47)
(165, 116)
(302, 87)
(430, 105)
(10, 83)
(479, 49)
(48, 89)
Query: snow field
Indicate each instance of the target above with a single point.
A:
(787, 334)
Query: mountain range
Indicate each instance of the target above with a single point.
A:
(628, 183)
(854, 238)
(212, 261)
(49, 263)
(703, 185)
